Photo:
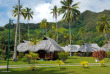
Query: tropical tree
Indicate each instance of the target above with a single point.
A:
(32, 56)
(70, 12)
(16, 12)
(28, 15)
(54, 31)
(44, 24)
(103, 25)
(66, 37)
(55, 13)
(18, 9)
(81, 31)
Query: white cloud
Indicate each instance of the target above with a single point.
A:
(93, 5)
(42, 8)
(43, 11)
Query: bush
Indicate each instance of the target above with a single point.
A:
(31, 56)
(10, 54)
(58, 63)
(85, 54)
(108, 55)
(63, 55)
(32, 68)
(75, 54)
(1, 51)
(20, 56)
(84, 63)
(88, 54)
(99, 54)
(102, 63)
(2, 55)
(24, 59)
(82, 54)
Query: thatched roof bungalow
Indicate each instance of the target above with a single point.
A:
(106, 47)
(74, 48)
(44, 48)
(87, 47)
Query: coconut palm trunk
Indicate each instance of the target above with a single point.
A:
(57, 30)
(70, 36)
(28, 29)
(15, 46)
(70, 13)
(19, 32)
(19, 24)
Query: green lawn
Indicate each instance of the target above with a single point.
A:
(95, 69)
(65, 70)
(70, 60)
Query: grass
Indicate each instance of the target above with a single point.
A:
(70, 60)
(55, 70)
(64, 70)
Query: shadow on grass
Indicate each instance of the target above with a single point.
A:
(2, 62)
(72, 58)
(63, 68)
(86, 67)
(46, 70)
(103, 66)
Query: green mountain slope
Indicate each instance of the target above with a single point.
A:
(83, 30)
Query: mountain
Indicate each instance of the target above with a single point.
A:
(83, 30)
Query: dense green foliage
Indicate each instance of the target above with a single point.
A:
(2, 56)
(83, 31)
(108, 54)
(63, 55)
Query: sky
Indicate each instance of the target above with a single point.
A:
(42, 9)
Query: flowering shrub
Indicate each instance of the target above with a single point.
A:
(101, 54)
(59, 62)
(102, 63)
(32, 68)
(84, 63)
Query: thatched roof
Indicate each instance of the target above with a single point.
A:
(49, 45)
(74, 48)
(106, 47)
(87, 47)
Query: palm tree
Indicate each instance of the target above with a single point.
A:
(28, 15)
(44, 24)
(15, 46)
(70, 12)
(15, 13)
(103, 25)
(55, 13)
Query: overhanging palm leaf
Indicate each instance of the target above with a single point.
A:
(28, 15)
(15, 11)
(55, 13)
(103, 25)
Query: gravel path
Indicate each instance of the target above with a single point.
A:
(50, 65)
